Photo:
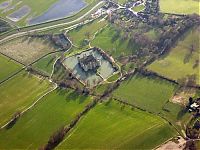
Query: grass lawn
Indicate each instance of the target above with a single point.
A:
(180, 6)
(7, 67)
(27, 49)
(148, 93)
(138, 8)
(110, 41)
(180, 62)
(35, 127)
(87, 31)
(46, 64)
(118, 127)
(20, 92)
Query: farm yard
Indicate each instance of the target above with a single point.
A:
(19, 93)
(122, 127)
(27, 49)
(147, 93)
(182, 7)
(183, 60)
(55, 110)
(8, 67)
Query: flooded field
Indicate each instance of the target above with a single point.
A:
(20, 13)
(4, 5)
(60, 9)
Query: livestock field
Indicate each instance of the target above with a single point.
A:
(27, 49)
(35, 127)
(147, 93)
(19, 93)
(122, 127)
(181, 7)
(8, 67)
(182, 60)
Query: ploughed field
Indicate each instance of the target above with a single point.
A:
(110, 125)
(34, 128)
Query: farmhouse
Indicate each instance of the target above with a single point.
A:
(89, 62)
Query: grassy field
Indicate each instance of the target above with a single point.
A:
(46, 64)
(180, 62)
(20, 92)
(27, 49)
(118, 127)
(138, 8)
(148, 93)
(87, 31)
(7, 67)
(35, 127)
(111, 42)
(176, 114)
(180, 6)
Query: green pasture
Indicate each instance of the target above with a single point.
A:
(180, 62)
(19, 93)
(46, 64)
(138, 8)
(148, 93)
(7, 67)
(85, 32)
(180, 6)
(113, 126)
(34, 128)
(109, 40)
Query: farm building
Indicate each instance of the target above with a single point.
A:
(89, 62)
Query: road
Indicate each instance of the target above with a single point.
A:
(49, 27)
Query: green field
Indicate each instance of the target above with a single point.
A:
(138, 8)
(46, 64)
(147, 93)
(109, 40)
(180, 6)
(87, 31)
(180, 62)
(7, 67)
(20, 92)
(117, 127)
(35, 127)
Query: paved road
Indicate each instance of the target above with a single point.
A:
(49, 27)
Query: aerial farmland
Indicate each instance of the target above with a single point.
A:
(99, 74)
